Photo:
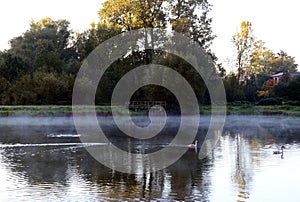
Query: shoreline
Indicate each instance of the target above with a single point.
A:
(102, 110)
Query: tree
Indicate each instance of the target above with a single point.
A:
(35, 70)
(250, 89)
(260, 58)
(11, 66)
(191, 18)
(133, 14)
(39, 88)
(91, 38)
(233, 92)
(187, 17)
(47, 44)
(282, 62)
(4, 86)
(243, 41)
(289, 90)
(264, 61)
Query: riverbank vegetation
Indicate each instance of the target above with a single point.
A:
(57, 110)
(63, 110)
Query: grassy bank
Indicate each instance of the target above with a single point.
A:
(51, 110)
(248, 109)
(48, 110)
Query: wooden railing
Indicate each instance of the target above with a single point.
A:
(144, 105)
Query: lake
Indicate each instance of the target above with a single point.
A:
(43, 159)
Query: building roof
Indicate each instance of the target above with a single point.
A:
(278, 74)
(281, 73)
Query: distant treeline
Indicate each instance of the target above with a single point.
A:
(41, 65)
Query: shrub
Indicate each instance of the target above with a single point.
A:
(289, 90)
(271, 101)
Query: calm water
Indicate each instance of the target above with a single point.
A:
(42, 159)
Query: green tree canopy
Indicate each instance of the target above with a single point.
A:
(254, 58)
(47, 44)
(133, 14)
(91, 38)
(282, 62)
(190, 17)
(187, 17)
(259, 59)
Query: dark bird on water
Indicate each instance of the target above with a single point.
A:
(279, 152)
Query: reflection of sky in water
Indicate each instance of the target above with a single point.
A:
(262, 175)
(278, 180)
(241, 168)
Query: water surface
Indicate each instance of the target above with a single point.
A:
(42, 158)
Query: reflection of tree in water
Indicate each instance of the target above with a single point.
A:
(184, 180)
(256, 134)
(243, 168)
(62, 169)
(39, 165)
(244, 140)
(189, 178)
(236, 149)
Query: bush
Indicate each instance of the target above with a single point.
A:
(292, 103)
(242, 102)
(39, 88)
(4, 86)
(289, 90)
(271, 101)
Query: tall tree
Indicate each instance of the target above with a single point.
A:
(91, 38)
(191, 17)
(187, 17)
(243, 41)
(259, 59)
(133, 14)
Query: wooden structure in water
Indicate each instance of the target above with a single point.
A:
(145, 105)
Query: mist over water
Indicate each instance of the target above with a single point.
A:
(42, 158)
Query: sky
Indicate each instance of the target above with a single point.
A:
(274, 22)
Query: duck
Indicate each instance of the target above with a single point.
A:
(279, 152)
(194, 146)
